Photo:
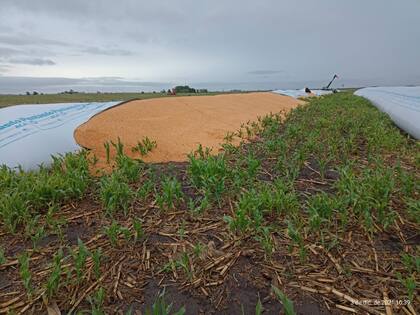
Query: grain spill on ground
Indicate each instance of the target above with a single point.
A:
(177, 124)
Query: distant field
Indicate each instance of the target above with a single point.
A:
(8, 100)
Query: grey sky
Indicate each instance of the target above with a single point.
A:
(222, 44)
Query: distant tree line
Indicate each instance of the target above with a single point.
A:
(187, 89)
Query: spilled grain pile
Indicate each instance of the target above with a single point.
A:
(178, 125)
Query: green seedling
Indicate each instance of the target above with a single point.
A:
(107, 152)
(287, 304)
(413, 209)
(119, 147)
(128, 169)
(229, 137)
(115, 194)
(53, 282)
(97, 301)
(138, 229)
(297, 239)
(160, 307)
(96, 258)
(184, 264)
(79, 258)
(410, 285)
(181, 230)
(113, 232)
(209, 174)
(411, 263)
(170, 195)
(265, 239)
(199, 206)
(259, 309)
(3, 259)
(145, 189)
(198, 249)
(144, 147)
(25, 273)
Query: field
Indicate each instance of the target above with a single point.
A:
(313, 213)
(8, 100)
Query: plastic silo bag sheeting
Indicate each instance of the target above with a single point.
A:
(30, 134)
(301, 93)
(402, 104)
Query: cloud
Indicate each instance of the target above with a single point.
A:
(4, 68)
(106, 51)
(6, 51)
(265, 72)
(16, 85)
(230, 41)
(32, 61)
(21, 39)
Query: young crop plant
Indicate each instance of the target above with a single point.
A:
(412, 266)
(297, 239)
(199, 206)
(410, 284)
(96, 301)
(160, 307)
(53, 282)
(413, 209)
(34, 230)
(323, 163)
(198, 249)
(119, 147)
(113, 232)
(25, 273)
(145, 189)
(24, 195)
(115, 194)
(96, 258)
(287, 304)
(138, 229)
(209, 174)
(79, 256)
(170, 194)
(240, 222)
(181, 230)
(14, 211)
(3, 259)
(145, 146)
(184, 263)
(265, 239)
(320, 210)
(107, 152)
(259, 307)
(229, 137)
(128, 169)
